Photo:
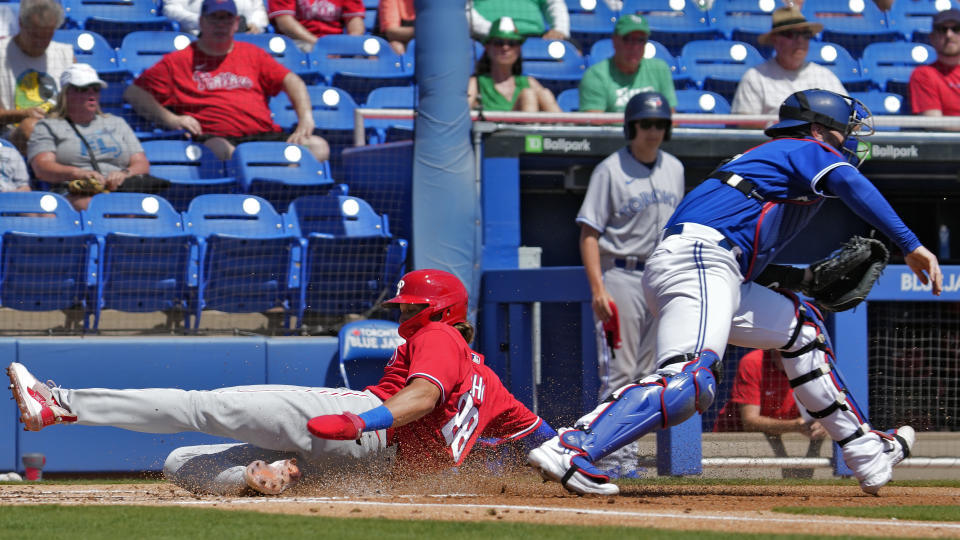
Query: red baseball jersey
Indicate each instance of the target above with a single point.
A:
(229, 95)
(473, 402)
(758, 382)
(319, 17)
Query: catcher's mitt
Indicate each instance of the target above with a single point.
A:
(843, 280)
(86, 186)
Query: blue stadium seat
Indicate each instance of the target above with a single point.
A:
(90, 48)
(365, 348)
(47, 261)
(248, 259)
(883, 103)
(889, 65)
(556, 64)
(146, 262)
(854, 24)
(603, 49)
(409, 56)
(332, 112)
(141, 50)
(674, 22)
(569, 100)
(694, 101)
(358, 64)
(284, 50)
(914, 18)
(390, 129)
(113, 19)
(590, 21)
(280, 172)
(352, 262)
(838, 60)
(718, 65)
(192, 169)
(744, 20)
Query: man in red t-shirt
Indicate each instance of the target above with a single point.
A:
(762, 400)
(218, 89)
(306, 21)
(935, 88)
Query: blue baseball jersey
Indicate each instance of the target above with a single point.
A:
(793, 176)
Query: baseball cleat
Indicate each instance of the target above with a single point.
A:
(38, 407)
(895, 448)
(555, 462)
(272, 478)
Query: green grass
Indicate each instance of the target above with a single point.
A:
(92, 522)
(916, 513)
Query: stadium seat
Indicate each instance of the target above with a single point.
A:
(838, 60)
(192, 169)
(914, 18)
(889, 65)
(90, 48)
(853, 24)
(883, 103)
(556, 64)
(390, 129)
(279, 172)
(569, 100)
(351, 262)
(718, 65)
(332, 112)
(113, 19)
(247, 258)
(475, 53)
(145, 255)
(590, 21)
(365, 348)
(47, 260)
(358, 64)
(693, 101)
(744, 20)
(141, 50)
(603, 49)
(674, 22)
(284, 50)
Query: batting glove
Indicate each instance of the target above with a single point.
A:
(339, 427)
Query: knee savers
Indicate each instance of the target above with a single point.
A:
(638, 409)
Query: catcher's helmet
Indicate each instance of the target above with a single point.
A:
(834, 111)
(444, 295)
(645, 105)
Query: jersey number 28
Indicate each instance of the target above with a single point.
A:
(459, 429)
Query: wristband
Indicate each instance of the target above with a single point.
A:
(378, 418)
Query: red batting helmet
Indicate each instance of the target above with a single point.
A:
(441, 291)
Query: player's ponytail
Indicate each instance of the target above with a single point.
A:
(465, 329)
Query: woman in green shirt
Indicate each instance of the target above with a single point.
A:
(498, 84)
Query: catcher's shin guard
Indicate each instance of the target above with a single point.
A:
(659, 401)
(809, 363)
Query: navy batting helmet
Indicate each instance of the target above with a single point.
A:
(645, 105)
(834, 111)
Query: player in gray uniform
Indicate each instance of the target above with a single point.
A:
(631, 195)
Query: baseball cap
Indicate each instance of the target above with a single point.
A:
(946, 16)
(785, 19)
(80, 75)
(631, 23)
(504, 28)
(213, 6)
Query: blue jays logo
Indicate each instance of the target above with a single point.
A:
(653, 102)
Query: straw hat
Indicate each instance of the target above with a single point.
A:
(788, 18)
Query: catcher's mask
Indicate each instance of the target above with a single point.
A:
(835, 111)
(443, 294)
(642, 106)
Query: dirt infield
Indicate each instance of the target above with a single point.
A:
(733, 508)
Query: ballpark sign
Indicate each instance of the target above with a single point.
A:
(374, 338)
(910, 282)
(538, 144)
(890, 151)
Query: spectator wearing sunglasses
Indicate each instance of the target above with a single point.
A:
(764, 87)
(498, 83)
(608, 85)
(935, 88)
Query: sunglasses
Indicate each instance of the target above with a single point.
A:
(85, 89)
(647, 123)
(794, 34)
(945, 29)
(504, 43)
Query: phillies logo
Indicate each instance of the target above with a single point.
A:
(399, 288)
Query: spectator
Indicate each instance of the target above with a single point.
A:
(396, 22)
(13, 170)
(253, 16)
(77, 141)
(306, 21)
(528, 14)
(609, 84)
(498, 84)
(764, 87)
(31, 63)
(218, 89)
(935, 88)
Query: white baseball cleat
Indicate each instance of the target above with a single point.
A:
(555, 462)
(895, 449)
(272, 478)
(38, 407)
